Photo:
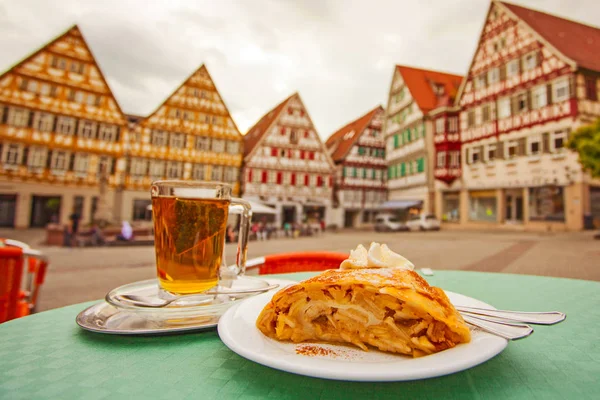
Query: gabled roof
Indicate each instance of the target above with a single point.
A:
(420, 84)
(342, 143)
(255, 133)
(579, 42)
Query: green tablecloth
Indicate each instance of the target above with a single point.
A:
(48, 356)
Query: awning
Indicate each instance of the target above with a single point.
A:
(259, 208)
(400, 204)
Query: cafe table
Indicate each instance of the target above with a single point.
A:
(47, 355)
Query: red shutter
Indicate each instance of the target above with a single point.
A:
(305, 134)
(319, 181)
(330, 181)
(302, 154)
(274, 151)
(263, 178)
(279, 178)
(250, 175)
(312, 155)
(290, 111)
(290, 153)
(306, 180)
(302, 113)
(282, 131)
(293, 178)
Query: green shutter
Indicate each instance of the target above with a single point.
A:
(373, 173)
(390, 172)
(354, 172)
(344, 172)
(402, 169)
(396, 141)
(421, 164)
(361, 151)
(409, 135)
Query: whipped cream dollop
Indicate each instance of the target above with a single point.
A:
(378, 256)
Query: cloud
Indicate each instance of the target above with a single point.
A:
(338, 54)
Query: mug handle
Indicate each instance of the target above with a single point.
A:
(242, 207)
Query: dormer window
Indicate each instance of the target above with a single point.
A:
(438, 89)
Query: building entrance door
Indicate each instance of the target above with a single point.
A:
(44, 209)
(8, 206)
(289, 215)
(514, 206)
(350, 219)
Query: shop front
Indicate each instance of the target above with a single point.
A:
(483, 206)
(547, 203)
(451, 207)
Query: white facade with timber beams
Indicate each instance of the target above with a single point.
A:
(532, 82)
(286, 165)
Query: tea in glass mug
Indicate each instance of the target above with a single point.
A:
(190, 223)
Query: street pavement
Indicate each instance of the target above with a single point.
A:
(78, 275)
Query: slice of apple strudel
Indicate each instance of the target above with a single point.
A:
(393, 310)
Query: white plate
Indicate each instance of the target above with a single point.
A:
(238, 331)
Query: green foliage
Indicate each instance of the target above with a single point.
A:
(586, 140)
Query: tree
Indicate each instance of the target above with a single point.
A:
(586, 140)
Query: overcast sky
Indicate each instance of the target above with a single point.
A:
(338, 54)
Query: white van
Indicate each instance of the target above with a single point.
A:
(423, 222)
(389, 223)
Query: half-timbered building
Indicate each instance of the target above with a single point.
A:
(409, 134)
(286, 165)
(532, 81)
(60, 126)
(191, 135)
(358, 151)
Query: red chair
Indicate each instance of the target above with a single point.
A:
(11, 274)
(296, 262)
(22, 272)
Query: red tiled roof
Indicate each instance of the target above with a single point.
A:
(255, 133)
(579, 42)
(419, 83)
(343, 145)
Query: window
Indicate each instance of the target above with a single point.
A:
(202, 143)
(482, 206)
(87, 130)
(157, 169)
(58, 62)
(486, 113)
(474, 155)
(294, 136)
(520, 102)
(470, 118)
(45, 89)
(71, 95)
(231, 174)
(32, 86)
(560, 90)
(79, 97)
(491, 152)
(174, 169)
(43, 122)
(158, 138)
(539, 97)
(37, 157)
(504, 107)
(107, 133)
(420, 164)
(76, 67)
(81, 163)
(546, 203)
(12, 154)
(530, 61)
(512, 149)
(441, 159)
(557, 140)
(233, 147)
(438, 89)
(177, 140)
(65, 125)
(18, 117)
(535, 145)
(218, 146)
(59, 160)
(140, 210)
(512, 68)
(493, 75)
(452, 124)
(198, 172)
(439, 125)
(217, 173)
(455, 158)
(450, 207)
(480, 81)
(591, 88)
(138, 167)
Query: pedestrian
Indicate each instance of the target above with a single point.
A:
(126, 232)
(287, 229)
(75, 217)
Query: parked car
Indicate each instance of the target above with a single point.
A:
(423, 222)
(389, 223)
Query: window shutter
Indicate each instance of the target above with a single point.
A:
(49, 159)
(549, 90)
(403, 169)
(521, 147)
(113, 166)
(24, 155)
(546, 142)
(4, 114)
(293, 178)
(312, 155)
(273, 151)
(499, 149)
(373, 173)
(502, 72)
(396, 141)
(282, 131)
(306, 178)
(529, 100)
(389, 172)
(343, 172)
(279, 178)
(72, 162)
(354, 172)
(319, 181)
(118, 134)
(264, 177)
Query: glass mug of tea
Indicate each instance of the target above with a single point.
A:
(190, 224)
